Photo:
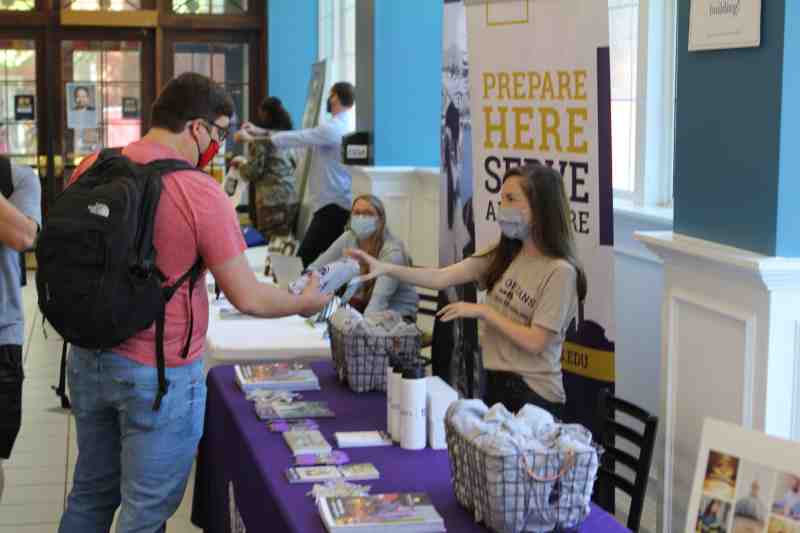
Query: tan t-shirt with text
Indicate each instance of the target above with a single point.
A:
(533, 290)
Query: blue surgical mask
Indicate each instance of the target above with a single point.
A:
(363, 225)
(512, 223)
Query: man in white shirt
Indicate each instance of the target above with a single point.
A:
(330, 184)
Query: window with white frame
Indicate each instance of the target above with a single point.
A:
(642, 36)
(337, 43)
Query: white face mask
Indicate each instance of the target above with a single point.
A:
(512, 223)
(363, 225)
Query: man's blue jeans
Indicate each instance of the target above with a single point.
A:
(129, 454)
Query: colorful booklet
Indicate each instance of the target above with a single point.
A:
(335, 458)
(393, 513)
(316, 474)
(359, 472)
(312, 474)
(294, 410)
(276, 376)
(306, 442)
(362, 439)
(280, 426)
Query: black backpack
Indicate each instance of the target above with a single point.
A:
(7, 189)
(96, 276)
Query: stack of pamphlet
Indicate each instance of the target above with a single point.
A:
(276, 376)
(316, 474)
(306, 441)
(294, 410)
(362, 439)
(381, 513)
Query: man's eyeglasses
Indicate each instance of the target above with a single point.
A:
(223, 132)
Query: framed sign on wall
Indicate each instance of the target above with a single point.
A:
(719, 24)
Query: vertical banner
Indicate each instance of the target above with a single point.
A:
(311, 113)
(540, 86)
(456, 352)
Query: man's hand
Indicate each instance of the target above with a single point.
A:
(313, 300)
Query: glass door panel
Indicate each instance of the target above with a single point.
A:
(18, 101)
(209, 7)
(104, 5)
(102, 83)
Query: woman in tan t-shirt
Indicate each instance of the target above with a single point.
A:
(534, 281)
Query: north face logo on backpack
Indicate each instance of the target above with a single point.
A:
(100, 210)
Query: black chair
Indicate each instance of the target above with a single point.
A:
(608, 476)
(428, 304)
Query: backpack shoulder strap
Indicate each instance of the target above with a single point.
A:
(193, 274)
(165, 166)
(106, 154)
(6, 183)
(159, 168)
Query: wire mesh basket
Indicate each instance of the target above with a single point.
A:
(361, 360)
(522, 491)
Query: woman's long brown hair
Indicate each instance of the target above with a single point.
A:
(378, 242)
(551, 227)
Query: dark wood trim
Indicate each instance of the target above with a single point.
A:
(209, 22)
(258, 74)
(208, 36)
(160, 49)
(149, 75)
(25, 19)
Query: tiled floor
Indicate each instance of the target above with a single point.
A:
(39, 474)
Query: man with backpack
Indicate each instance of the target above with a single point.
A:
(139, 401)
(20, 215)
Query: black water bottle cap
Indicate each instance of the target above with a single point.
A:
(414, 372)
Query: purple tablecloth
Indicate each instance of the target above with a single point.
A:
(238, 448)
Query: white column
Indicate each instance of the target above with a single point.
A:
(730, 350)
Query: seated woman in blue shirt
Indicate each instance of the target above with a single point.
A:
(367, 231)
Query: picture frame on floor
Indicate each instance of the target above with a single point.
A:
(745, 482)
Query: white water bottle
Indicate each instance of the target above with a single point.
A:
(413, 401)
(394, 407)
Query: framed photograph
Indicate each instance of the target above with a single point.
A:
(745, 482)
(24, 107)
(130, 107)
(81, 98)
(719, 24)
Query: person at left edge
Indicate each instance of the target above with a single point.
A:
(20, 217)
